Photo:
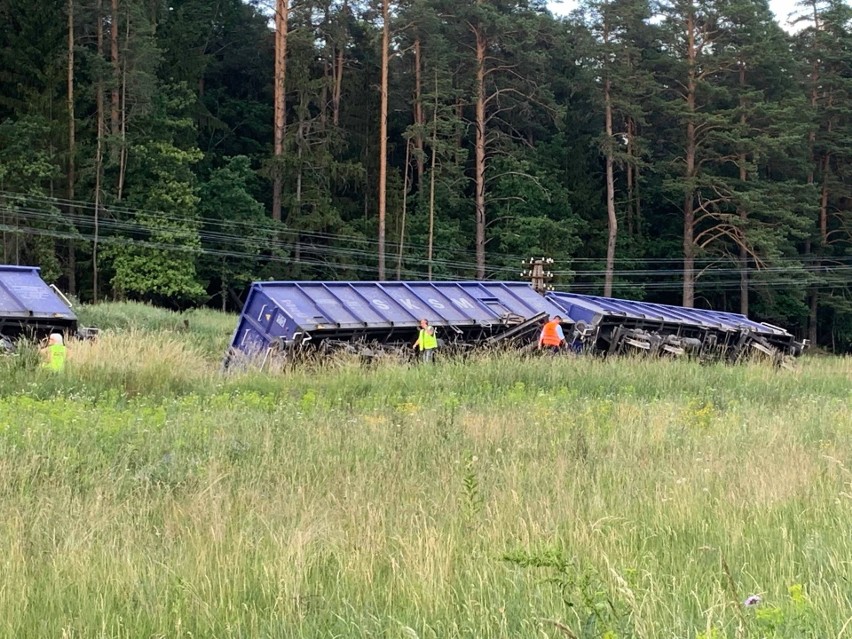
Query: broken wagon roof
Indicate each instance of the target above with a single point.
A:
(583, 307)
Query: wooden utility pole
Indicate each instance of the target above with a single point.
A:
(538, 276)
(383, 138)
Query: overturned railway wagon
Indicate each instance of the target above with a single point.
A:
(283, 316)
(608, 325)
(31, 308)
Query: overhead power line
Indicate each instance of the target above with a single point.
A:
(723, 284)
(228, 242)
(250, 225)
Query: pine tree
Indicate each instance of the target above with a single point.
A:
(825, 46)
(621, 39)
(755, 216)
(692, 71)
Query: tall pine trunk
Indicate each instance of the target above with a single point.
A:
(628, 179)
(432, 177)
(612, 220)
(327, 72)
(418, 111)
(122, 153)
(823, 242)
(689, 223)
(823, 200)
(633, 192)
(282, 8)
(383, 137)
(744, 279)
(115, 100)
(479, 197)
(99, 154)
(814, 79)
(338, 87)
(300, 144)
(404, 211)
(72, 152)
(742, 210)
(337, 74)
(689, 186)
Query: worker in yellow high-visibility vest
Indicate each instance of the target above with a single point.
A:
(426, 342)
(54, 354)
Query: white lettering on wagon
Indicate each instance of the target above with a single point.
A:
(381, 304)
(409, 303)
(462, 302)
(435, 303)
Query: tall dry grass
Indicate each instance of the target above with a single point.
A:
(144, 494)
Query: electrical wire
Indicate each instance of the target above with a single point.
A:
(129, 228)
(419, 274)
(250, 225)
(352, 253)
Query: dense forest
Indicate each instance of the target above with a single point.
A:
(682, 151)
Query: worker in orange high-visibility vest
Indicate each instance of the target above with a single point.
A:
(552, 337)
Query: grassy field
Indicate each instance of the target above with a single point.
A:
(144, 494)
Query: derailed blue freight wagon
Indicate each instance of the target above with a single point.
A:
(30, 308)
(608, 325)
(288, 316)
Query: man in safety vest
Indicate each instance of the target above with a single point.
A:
(54, 354)
(426, 342)
(552, 336)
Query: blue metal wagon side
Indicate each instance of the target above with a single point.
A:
(29, 307)
(610, 325)
(321, 314)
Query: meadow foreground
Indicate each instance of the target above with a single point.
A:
(146, 495)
